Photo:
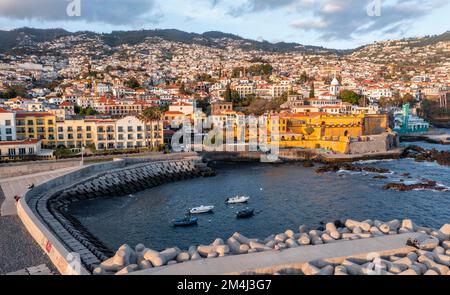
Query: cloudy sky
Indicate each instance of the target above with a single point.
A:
(329, 23)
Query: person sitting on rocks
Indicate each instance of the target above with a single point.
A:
(31, 186)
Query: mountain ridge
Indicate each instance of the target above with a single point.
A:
(26, 36)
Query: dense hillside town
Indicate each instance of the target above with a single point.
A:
(70, 91)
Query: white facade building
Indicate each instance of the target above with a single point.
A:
(7, 125)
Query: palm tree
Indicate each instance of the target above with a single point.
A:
(149, 115)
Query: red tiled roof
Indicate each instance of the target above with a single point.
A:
(2, 110)
(26, 141)
(32, 114)
(66, 104)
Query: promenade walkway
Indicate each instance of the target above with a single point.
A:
(20, 255)
(16, 185)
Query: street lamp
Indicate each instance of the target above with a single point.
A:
(82, 156)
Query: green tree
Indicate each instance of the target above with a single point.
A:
(149, 115)
(133, 83)
(409, 98)
(350, 97)
(312, 91)
(227, 95)
(304, 78)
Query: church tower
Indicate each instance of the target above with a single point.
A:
(335, 86)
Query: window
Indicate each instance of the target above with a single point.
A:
(79, 136)
(79, 128)
(12, 152)
(130, 129)
(88, 128)
(60, 129)
(31, 130)
(8, 122)
(30, 122)
(60, 136)
(22, 151)
(139, 128)
(8, 131)
(120, 129)
(50, 122)
(40, 122)
(70, 136)
(20, 122)
(69, 129)
(88, 135)
(130, 136)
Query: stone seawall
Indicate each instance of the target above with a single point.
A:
(44, 210)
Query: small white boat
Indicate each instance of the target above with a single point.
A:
(201, 209)
(237, 199)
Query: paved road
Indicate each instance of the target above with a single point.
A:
(16, 185)
(19, 253)
(18, 250)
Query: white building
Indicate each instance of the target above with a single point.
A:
(183, 107)
(7, 125)
(133, 133)
(23, 149)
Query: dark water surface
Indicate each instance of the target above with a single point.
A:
(284, 196)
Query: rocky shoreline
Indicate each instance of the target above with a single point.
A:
(127, 259)
(422, 155)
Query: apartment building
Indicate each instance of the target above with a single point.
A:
(7, 125)
(105, 134)
(37, 125)
(20, 150)
(133, 133)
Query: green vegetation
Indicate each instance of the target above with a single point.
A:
(258, 106)
(397, 101)
(350, 97)
(312, 93)
(85, 112)
(264, 70)
(133, 83)
(231, 95)
(14, 91)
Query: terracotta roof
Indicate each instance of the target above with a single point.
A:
(32, 114)
(2, 110)
(26, 141)
(66, 104)
(173, 113)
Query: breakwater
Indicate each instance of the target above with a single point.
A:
(44, 209)
(432, 256)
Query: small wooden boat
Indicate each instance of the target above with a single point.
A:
(201, 209)
(237, 200)
(245, 213)
(186, 221)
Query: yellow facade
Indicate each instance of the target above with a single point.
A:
(324, 131)
(37, 125)
(107, 134)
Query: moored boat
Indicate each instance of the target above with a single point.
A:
(186, 221)
(201, 209)
(245, 213)
(237, 199)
